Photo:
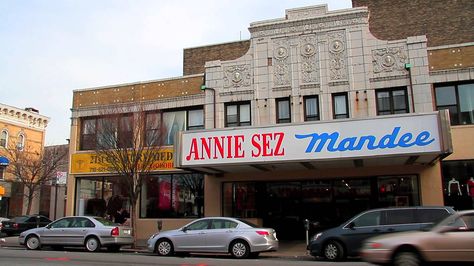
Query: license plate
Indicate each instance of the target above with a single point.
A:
(127, 231)
(7, 225)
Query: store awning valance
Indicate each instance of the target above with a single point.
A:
(4, 161)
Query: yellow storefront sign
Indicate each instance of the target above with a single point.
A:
(92, 163)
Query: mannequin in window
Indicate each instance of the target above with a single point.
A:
(470, 187)
(454, 188)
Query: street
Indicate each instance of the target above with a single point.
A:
(20, 256)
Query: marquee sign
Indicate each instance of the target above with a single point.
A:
(389, 135)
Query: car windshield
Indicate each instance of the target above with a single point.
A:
(450, 221)
(105, 221)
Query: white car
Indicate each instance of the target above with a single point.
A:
(215, 235)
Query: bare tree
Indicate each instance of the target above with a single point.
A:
(129, 142)
(34, 168)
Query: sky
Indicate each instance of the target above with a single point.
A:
(49, 48)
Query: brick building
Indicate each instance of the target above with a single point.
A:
(19, 129)
(315, 117)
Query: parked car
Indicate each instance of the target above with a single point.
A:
(19, 224)
(217, 235)
(347, 239)
(90, 232)
(451, 240)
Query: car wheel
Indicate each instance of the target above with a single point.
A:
(33, 242)
(406, 258)
(164, 247)
(333, 251)
(240, 249)
(92, 244)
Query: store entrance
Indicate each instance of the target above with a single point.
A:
(326, 203)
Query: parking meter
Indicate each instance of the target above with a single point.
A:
(159, 224)
(306, 227)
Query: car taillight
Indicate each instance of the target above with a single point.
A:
(115, 231)
(375, 245)
(15, 225)
(263, 233)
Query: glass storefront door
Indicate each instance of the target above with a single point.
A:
(285, 205)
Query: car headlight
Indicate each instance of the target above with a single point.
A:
(316, 236)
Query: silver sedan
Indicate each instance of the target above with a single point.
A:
(90, 232)
(215, 235)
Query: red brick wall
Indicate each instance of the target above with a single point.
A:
(443, 21)
(195, 58)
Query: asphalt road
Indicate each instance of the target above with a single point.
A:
(20, 256)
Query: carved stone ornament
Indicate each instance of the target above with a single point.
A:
(281, 67)
(337, 55)
(309, 59)
(389, 59)
(237, 76)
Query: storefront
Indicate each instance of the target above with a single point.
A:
(321, 171)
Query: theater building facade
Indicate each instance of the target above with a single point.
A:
(314, 119)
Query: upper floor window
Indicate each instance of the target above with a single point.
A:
(2, 169)
(340, 105)
(459, 99)
(4, 139)
(195, 119)
(161, 127)
(107, 132)
(283, 110)
(311, 108)
(392, 101)
(21, 142)
(237, 114)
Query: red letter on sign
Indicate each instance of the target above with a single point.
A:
(256, 144)
(193, 151)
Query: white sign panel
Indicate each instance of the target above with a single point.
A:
(61, 178)
(313, 141)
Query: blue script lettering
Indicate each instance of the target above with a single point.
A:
(319, 141)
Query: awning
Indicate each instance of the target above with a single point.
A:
(4, 161)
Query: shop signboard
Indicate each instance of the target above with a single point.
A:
(93, 163)
(379, 136)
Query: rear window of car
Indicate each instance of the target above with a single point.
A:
(431, 215)
(249, 223)
(20, 219)
(105, 222)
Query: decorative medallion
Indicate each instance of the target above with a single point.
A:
(389, 59)
(237, 76)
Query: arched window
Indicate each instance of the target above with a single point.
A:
(21, 142)
(4, 139)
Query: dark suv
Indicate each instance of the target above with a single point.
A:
(346, 239)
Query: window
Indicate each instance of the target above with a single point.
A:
(431, 215)
(4, 139)
(223, 224)
(161, 127)
(459, 100)
(392, 101)
(237, 114)
(368, 219)
(311, 108)
(283, 110)
(173, 195)
(195, 119)
(88, 134)
(199, 225)
(107, 132)
(21, 142)
(406, 216)
(2, 169)
(340, 106)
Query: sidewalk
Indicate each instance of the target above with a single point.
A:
(294, 249)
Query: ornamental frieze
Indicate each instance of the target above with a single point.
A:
(389, 59)
(281, 66)
(237, 76)
(337, 55)
(309, 60)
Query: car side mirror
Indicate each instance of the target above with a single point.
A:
(184, 229)
(48, 226)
